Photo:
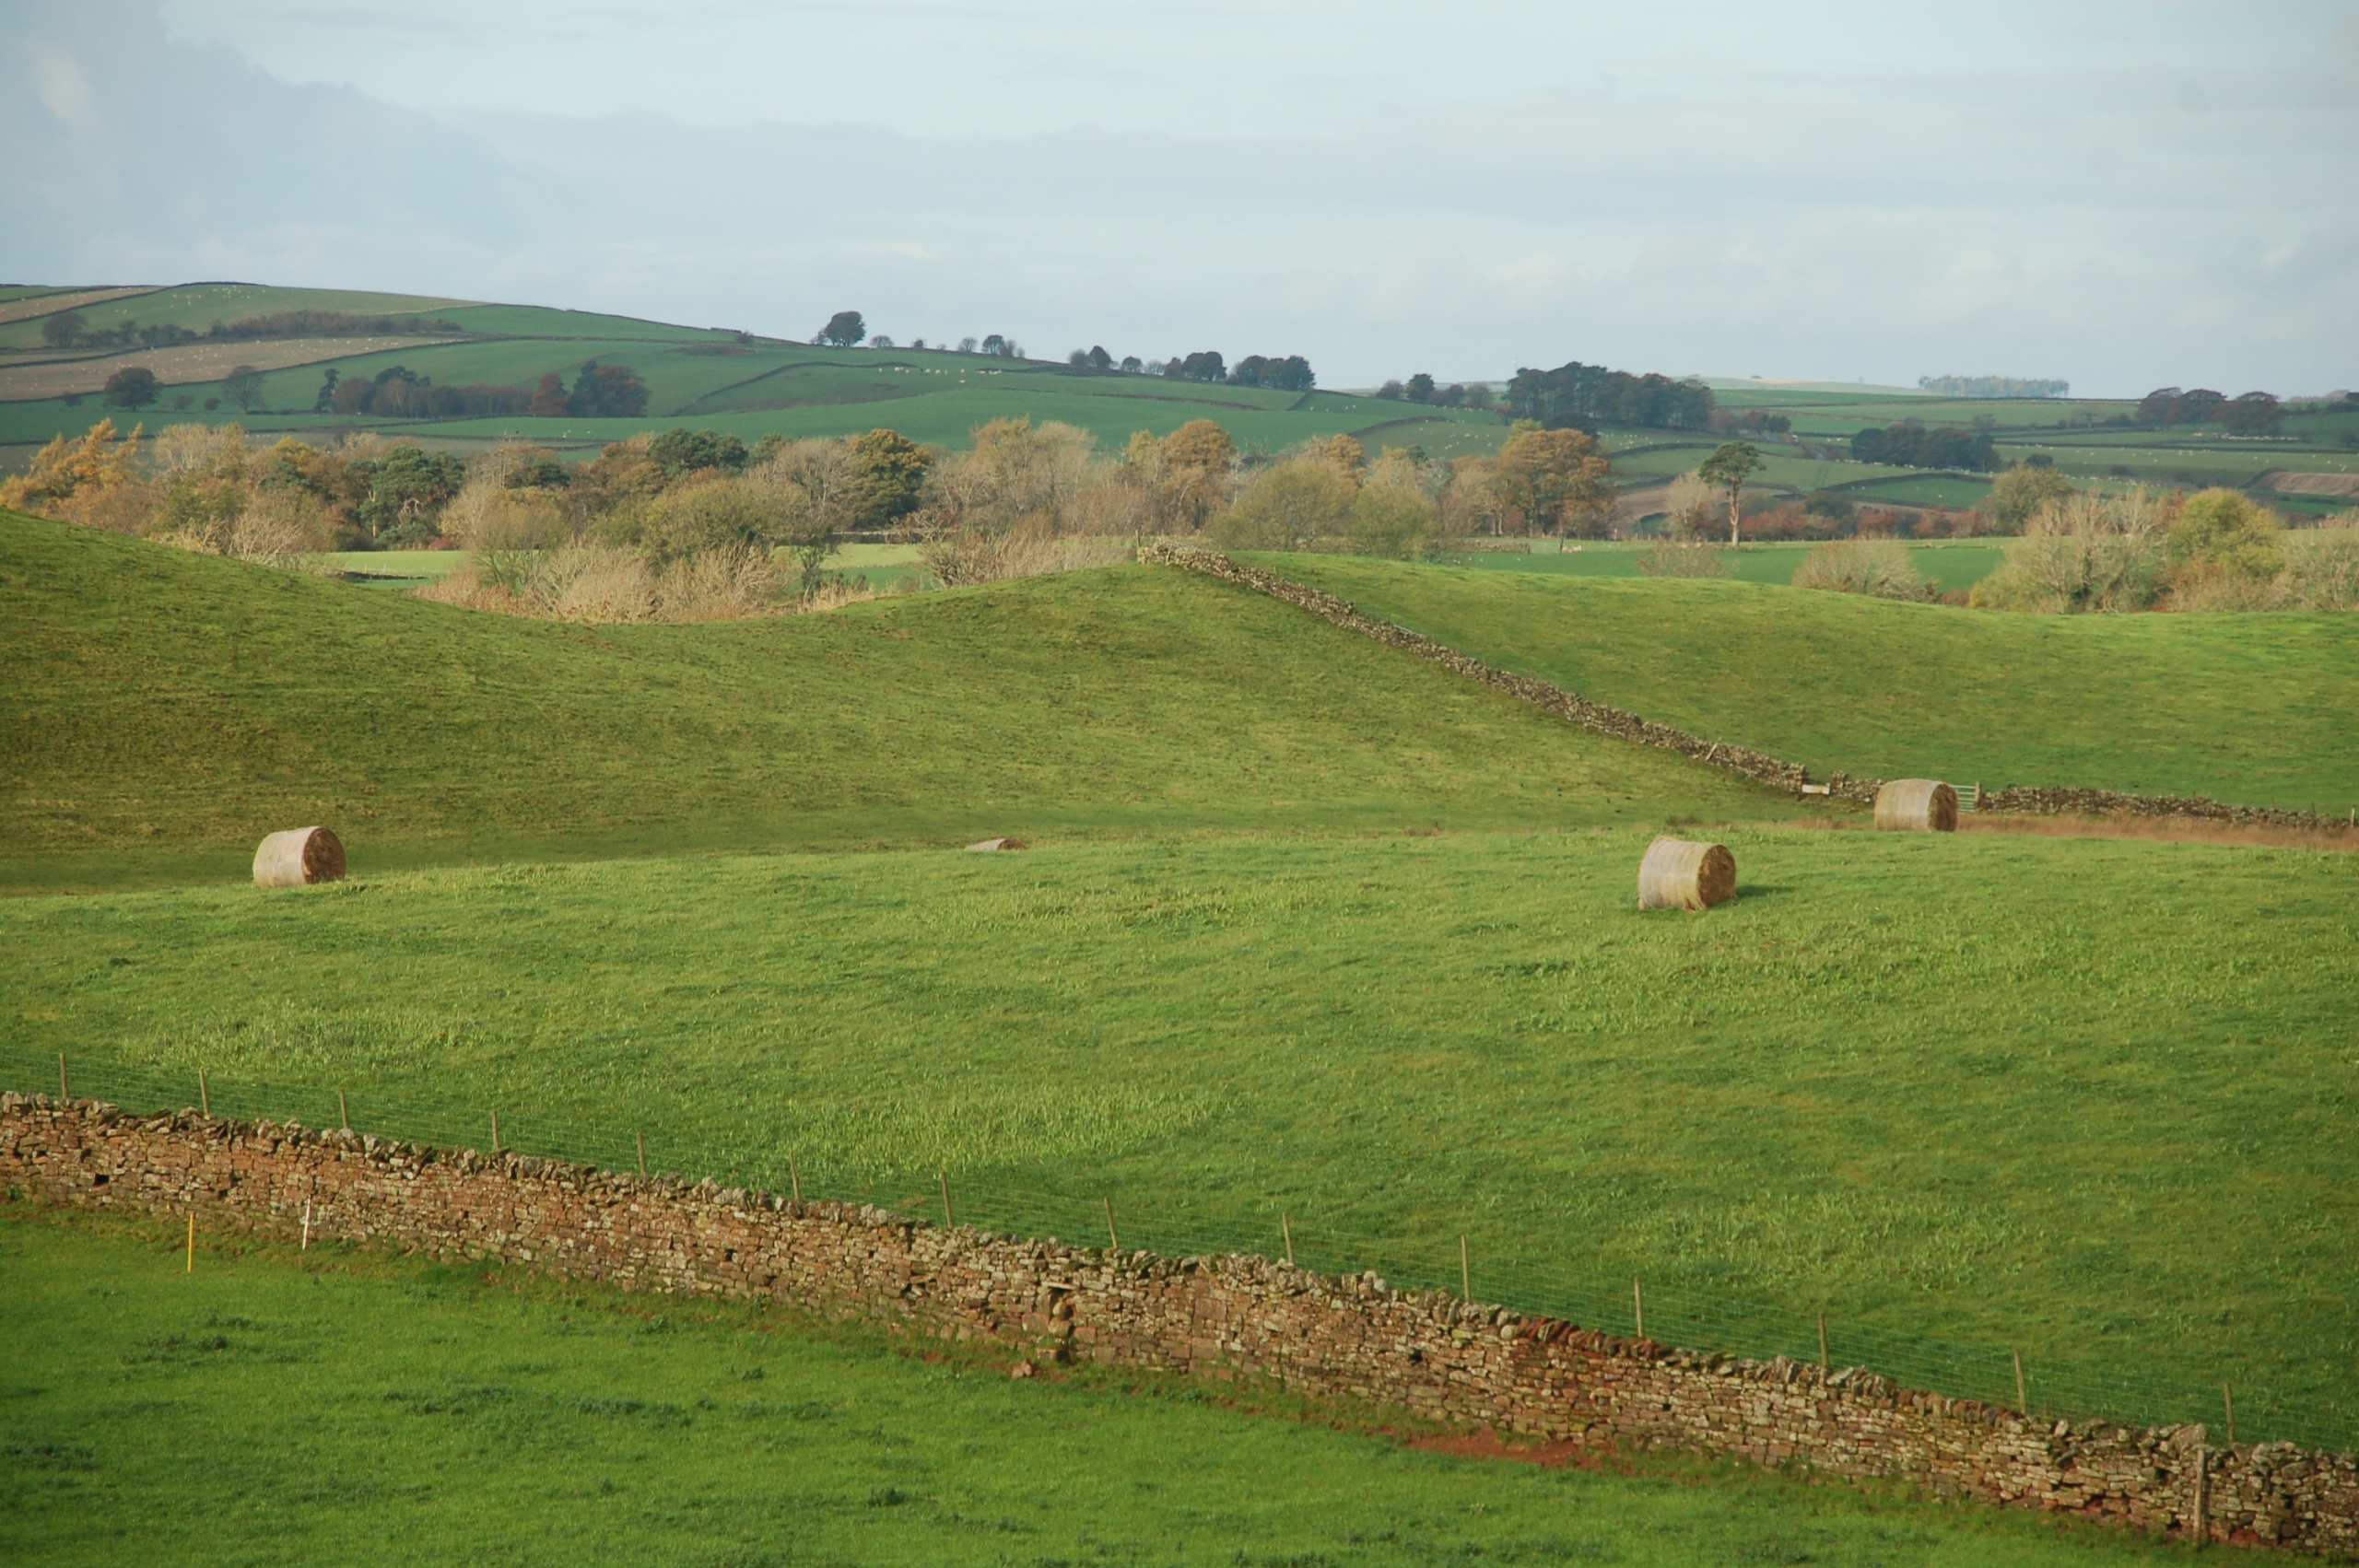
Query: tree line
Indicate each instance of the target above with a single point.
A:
(1579, 395)
(2253, 414)
(72, 329)
(1910, 445)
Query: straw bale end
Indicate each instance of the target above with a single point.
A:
(1915, 805)
(989, 845)
(1680, 873)
(299, 857)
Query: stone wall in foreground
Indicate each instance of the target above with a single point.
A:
(1352, 1336)
(2028, 799)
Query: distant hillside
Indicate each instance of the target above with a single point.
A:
(703, 376)
(163, 710)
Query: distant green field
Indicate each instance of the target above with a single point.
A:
(163, 710)
(2081, 1097)
(198, 306)
(2253, 709)
(1950, 563)
(389, 1411)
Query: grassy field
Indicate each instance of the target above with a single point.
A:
(2252, 708)
(1950, 563)
(164, 709)
(354, 1410)
(2083, 1097)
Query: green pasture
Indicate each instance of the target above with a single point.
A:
(160, 710)
(2253, 709)
(1951, 564)
(2085, 1098)
(1923, 490)
(359, 1409)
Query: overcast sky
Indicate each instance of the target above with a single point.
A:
(2121, 195)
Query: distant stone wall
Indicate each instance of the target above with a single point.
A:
(2028, 799)
(1352, 1336)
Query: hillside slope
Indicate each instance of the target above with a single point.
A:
(163, 710)
(2250, 708)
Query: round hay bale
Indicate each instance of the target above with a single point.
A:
(297, 858)
(1915, 805)
(1679, 873)
(991, 844)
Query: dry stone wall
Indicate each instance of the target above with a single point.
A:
(2029, 799)
(1350, 1337)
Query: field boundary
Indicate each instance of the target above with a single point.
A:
(2027, 800)
(1352, 1336)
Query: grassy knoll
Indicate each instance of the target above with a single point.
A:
(163, 710)
(2254, 709)
(2084, 1097)
(353, 1408)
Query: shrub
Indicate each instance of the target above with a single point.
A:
(2017, 495)
(1879, 568)
(1666, 558)
(1389, 519)
(1287, 506)
(2322, 566)
(2083, 553)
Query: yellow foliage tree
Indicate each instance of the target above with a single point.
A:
(89, 468)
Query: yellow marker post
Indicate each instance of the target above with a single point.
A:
(191, 1241)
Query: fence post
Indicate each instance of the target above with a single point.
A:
(2228, 1399)
(64, 1090)
(1465, 1273)
(203, 1095)
(191, 1240)
(344, 1114)
(639, 1136)
(948, 1221)
(307, 1227)
(1113, 1238)
(494, 1132)
(2023, 1399)
(795, 1177)
(1638, 1305)
(2203, 1462)
(1285, 1229)
(1822, 1343)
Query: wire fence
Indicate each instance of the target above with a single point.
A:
(1666, 1313)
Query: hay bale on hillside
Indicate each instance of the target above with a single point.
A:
(1679, 873)
(297, 858)
(1916, 805)
(989, 845)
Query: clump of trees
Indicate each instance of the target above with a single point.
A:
(1421, 388)
(2253, 414)
(1992, 386)
(1909, 445)
(1880, 568)
(2143, 549)
(600, 391)
(1588, 395)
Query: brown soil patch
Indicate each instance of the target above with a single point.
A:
(2162, 829)
(1488, 1444)
(190, 363)
(2285, 481)
(50, 304)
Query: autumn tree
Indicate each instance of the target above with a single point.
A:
(1554, 478)
(549, 399)
(65, 469)
(608, 391)
(1727, 468)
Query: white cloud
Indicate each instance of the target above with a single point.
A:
(1817, 193)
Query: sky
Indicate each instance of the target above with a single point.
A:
(2119, 195)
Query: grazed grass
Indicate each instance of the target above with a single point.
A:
(2254, 709)
(355, 1409)
(2084, 1097)
(160, 711)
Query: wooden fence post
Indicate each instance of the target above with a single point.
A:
(2023, 1399)
(1113, 1238)
(1822, 1343)
(344, 1114)
(191, 1240)
(947, 1220)
(64, 1090)
(494, 1132)
(1465, 1273)
(203, 1095)
(1638, 1305)
(639, 1136)
(2228, 1399)
(1285, 1229)
(795, 1177)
